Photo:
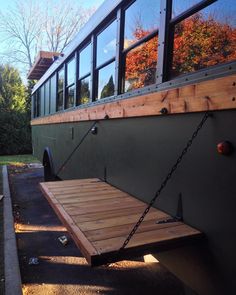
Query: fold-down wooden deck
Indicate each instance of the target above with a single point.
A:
(99, 217)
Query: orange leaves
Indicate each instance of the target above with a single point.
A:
(141, 64)
(201, 42)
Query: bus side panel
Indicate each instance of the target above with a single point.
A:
(138, 153)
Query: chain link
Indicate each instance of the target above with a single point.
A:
(167, 178)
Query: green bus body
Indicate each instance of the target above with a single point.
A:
(136, 153)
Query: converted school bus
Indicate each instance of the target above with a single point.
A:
(142, 103)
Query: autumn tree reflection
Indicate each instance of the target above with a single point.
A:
(200, 41)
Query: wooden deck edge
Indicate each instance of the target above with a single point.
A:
(139, 251)
(83, 244)
(215, 94)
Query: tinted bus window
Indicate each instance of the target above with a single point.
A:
(71, 72)
(42, 101)
(106, 86)
(106, 44)
(70, 84)
(53, 94)
(60, 94)
(140, 65)
(205, 39)
(47, 97)
(85, 61)
(179, 6)
(85, 90)
(141, 19)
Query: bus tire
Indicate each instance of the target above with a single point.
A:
(48, 166)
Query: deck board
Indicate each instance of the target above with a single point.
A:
(99, 217)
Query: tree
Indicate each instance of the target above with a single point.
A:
(14, 115)
(12, 91)
(32, 26)
(108, 89)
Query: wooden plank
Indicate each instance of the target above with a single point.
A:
(214, 94)
(101, 204)
(111, 213)
(81, 188)
(121, 230)
(122, 220)
(163, 235)
(64, 183)
(84, 190)
(78, 210)
(77, 199)
(85, 246)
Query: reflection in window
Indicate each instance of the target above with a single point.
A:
(140, 20)
(53, 94)
(106, 86)
(70, 95)
(60, 101)
(60, 90)
(70, 84)
(106, 44)
(60, 79)
(38, 102)
(180, 6)
(205, 39)
(71, 72)
(85, 61)
(42, 99)
(84, 90)
(47, 97)
(140, 68)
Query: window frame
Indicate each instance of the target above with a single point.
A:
(165, 49)
(59, 91)
(96, 69)
(67, 86)
(86, 75)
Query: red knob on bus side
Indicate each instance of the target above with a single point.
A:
(224, 148)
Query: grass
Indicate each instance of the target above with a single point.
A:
(1, 238)
(17, 160)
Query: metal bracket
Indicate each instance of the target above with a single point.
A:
(177, 217)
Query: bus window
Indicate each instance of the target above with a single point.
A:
(38, 104)
(179, 7)
(85, 74)
(53, 94)
(47, 97)
(106, 44)
(140, 70)
(204, 39)
(70, 84)
(60, 91)
(85, 90)
(105, 71)
(141, 20)
(140, 44)
(106, 85)
(42, 101)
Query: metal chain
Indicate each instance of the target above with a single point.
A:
(167, 178)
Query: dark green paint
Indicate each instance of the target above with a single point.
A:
(137, 154)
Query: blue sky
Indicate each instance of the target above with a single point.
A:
(86, 3)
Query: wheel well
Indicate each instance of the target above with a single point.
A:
(47, 159)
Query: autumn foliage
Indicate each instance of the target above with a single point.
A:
(198, 43)
(141, 62)
(201, 43)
